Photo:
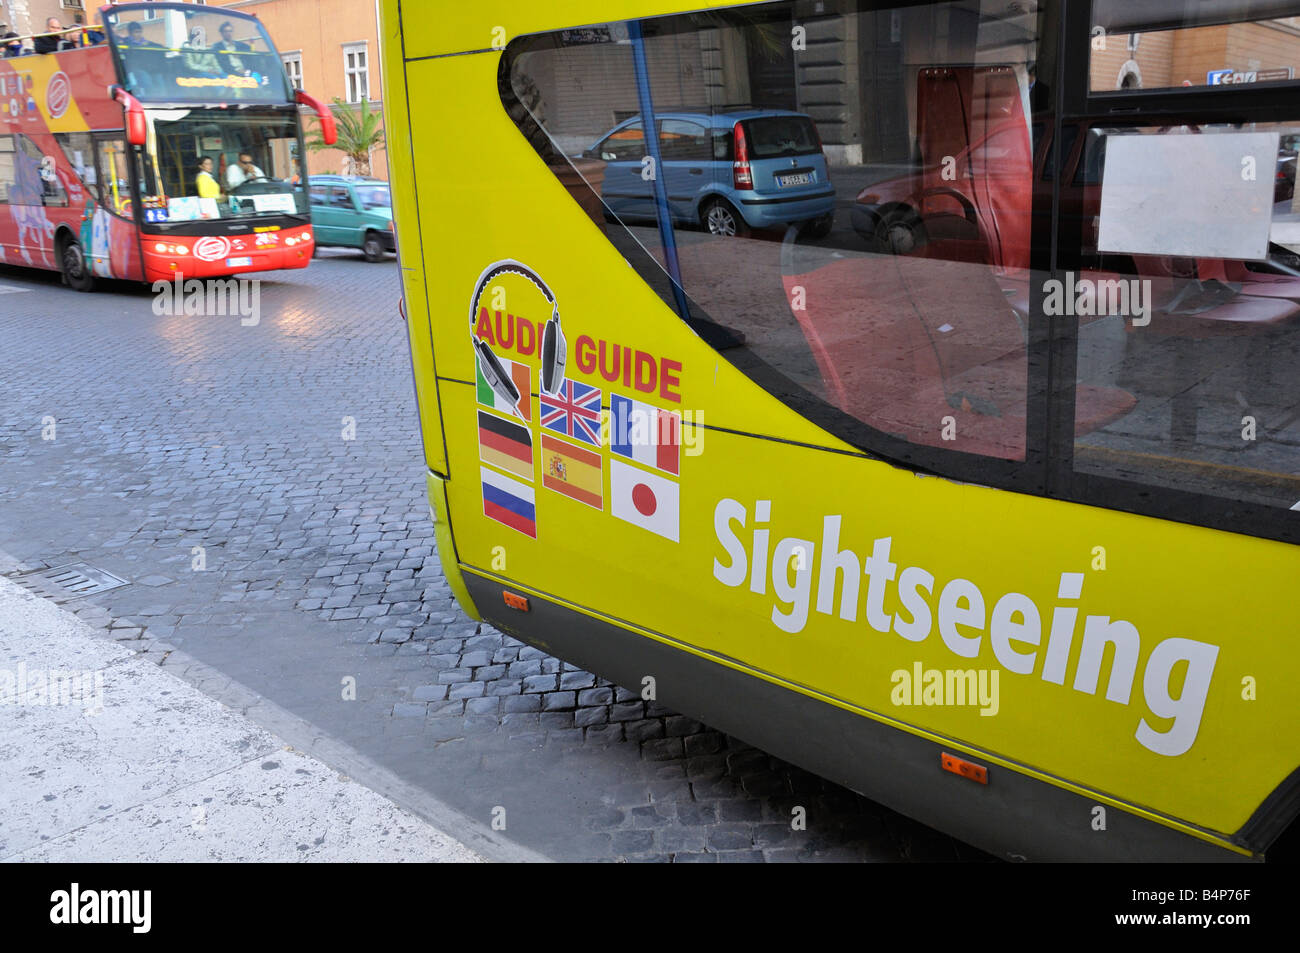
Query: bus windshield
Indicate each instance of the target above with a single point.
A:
(212, 163)
(175, 54)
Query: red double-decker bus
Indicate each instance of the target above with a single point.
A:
(173, 146)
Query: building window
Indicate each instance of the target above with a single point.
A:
(293, 67)
(356, 71)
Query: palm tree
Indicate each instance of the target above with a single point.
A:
(360, 130)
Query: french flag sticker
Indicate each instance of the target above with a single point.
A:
(646, 434)
(644, 499)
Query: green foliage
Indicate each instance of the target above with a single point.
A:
(360, 130)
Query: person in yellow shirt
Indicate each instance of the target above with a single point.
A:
(206, 181)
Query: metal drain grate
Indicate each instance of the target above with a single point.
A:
(73, 581)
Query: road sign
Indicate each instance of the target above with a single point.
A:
(1228, 77)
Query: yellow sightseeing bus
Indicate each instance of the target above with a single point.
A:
(907, 388)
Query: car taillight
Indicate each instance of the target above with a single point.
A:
(742, 177)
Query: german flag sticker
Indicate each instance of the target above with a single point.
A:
(505, 444)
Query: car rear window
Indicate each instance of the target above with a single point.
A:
(375, 196)
(771, 136)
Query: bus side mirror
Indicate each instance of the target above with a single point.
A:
(328, 129)
(137, 132)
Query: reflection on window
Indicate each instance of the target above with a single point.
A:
(1213, 363)
(851, 224)
(196, 55)
(1133, 46)
(374, 196)
(27, 177)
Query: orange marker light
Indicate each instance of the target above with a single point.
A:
(515, 601)
(966, 769)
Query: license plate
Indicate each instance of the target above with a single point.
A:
(238, 262)
(797, 178)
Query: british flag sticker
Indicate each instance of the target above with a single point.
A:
(573, 412)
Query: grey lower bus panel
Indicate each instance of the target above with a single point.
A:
(1014, 816)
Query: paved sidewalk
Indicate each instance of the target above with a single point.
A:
(107, 757)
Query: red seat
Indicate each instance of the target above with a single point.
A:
(1254, 283)
(1210, 309)
(905, 342)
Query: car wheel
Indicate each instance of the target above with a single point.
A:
(373, 248)
(720, 218)
(899, 233)
(72, 264)
(819, 227)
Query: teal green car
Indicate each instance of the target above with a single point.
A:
(353, 211)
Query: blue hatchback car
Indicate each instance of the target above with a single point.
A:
(728, 172)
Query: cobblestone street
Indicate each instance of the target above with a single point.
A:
(206, 463)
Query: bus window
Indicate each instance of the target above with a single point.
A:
(78, 150)
(114, 175)
(196, 55)
(864, 256)
(1140, 46)
(1205, 335)
(36, 180)
(8, 168)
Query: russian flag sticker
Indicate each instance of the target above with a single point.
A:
(509, 502)
(644, 499)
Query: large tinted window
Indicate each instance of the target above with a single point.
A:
(1186, 298)
(862, 252)
(1187, 288)
(193, 54)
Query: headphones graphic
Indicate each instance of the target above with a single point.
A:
(554, 346)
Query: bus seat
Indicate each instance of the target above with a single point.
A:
(1255, 283)
(904, 343)
(1196, 308)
